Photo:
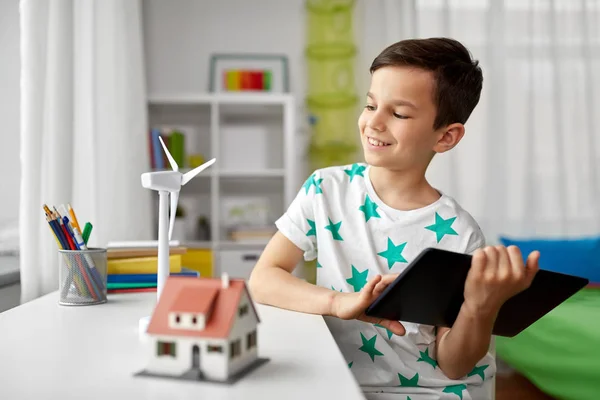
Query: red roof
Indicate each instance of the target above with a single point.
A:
(192, 300)
(198, 295)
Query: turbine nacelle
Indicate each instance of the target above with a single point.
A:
(169, 181)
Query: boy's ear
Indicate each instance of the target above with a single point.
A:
(449, 137)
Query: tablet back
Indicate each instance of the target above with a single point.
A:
(430, 291)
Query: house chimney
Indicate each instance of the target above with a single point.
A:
(224, 280)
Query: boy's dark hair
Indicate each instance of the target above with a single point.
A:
(458, 78)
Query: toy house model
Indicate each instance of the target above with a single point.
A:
(203, 329)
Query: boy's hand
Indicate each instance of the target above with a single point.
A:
(353, 305)
(497, 274)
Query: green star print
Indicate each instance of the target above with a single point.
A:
(355, 170)
(313, 230)
(312, 181)
(358, 279)
(425, 358)
(479, 371)
(456, 389)
(393, 254)
(368, 346)
(412, 382)
(334, 229)
(370, 209)
(350, 364)
(442, 227)
(389, 333)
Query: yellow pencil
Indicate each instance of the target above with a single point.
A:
(73, 217)
(53, 233)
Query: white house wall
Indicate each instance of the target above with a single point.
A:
(213, 365)
(240, 329)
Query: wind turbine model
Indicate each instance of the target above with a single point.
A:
(167, 183)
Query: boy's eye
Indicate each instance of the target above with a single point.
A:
(370, 107)
(399, 116)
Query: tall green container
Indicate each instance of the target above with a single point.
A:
(331, 99)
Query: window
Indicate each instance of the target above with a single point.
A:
(215, 349)
(251, 340)
(243, 310)
(165, 348)
(177, 318)
(235, 348)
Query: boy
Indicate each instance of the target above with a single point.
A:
(365, 222)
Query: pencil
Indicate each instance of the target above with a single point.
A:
(73, 217)
(53, 229)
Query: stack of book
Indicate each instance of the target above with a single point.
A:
(133, 267)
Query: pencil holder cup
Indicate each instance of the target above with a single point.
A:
(82, 277)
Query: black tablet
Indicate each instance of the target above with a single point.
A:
(430, 291)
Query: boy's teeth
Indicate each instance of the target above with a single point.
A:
(377, 142)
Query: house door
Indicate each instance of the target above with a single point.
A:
(196, 357)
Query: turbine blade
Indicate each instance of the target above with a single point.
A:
(188, 176)
(174, 197)
(169, 156)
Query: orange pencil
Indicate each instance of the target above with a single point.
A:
(73, 217)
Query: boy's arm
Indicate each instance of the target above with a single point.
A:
(497, 274)
(272, 282)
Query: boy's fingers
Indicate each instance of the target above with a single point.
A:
(367, 290)
(379, 288)
(504, 268)
(532, 266)
(516, 260)
(389, 278)
(396, 327)
(478, 262)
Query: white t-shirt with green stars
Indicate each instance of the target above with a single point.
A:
(338, 219)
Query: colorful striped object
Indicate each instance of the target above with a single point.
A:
(236, 80)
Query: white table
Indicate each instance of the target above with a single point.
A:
(92, 352)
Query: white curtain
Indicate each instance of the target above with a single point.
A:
(83, 127)
(528, 165)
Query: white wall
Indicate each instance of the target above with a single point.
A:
(9, 110)
(181, 35)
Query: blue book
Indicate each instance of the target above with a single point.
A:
(146, 278)
(158, 150)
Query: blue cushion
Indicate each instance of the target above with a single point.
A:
(580, 257)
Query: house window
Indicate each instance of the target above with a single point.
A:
(235, 348)
(165, 348)
(215, 349)
(243, 310)
(251, 340)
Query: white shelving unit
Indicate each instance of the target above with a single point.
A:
(265, 165)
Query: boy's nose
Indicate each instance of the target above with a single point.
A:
(376, 123)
